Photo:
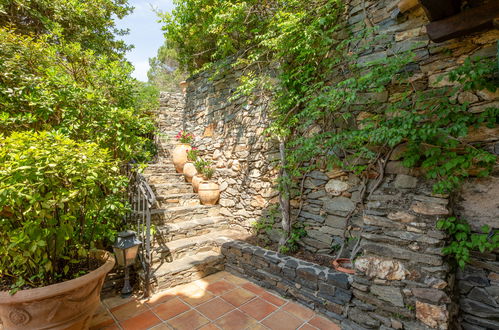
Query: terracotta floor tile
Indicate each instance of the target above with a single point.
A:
(116, 301)
(215, 308)
(238, 296)
(188, 321)
(210, 279)
(273, 299)
(253, 288)
(299, 311)
(258, 308)
(235, 320)
(220, 287)
(160, 297)
(235, 279)
(199, 298)
(258, 326)
(281, 320)
(170, 309)
(161, 326)
(141, 322)
(307, 326)
(129, 310)
(210, 326)
(323, 324)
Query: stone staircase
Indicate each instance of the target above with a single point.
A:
(188, 236)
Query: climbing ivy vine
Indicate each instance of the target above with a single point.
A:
(330, 106)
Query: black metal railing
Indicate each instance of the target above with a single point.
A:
(141, 198)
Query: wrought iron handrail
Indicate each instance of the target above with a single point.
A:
(141, 198)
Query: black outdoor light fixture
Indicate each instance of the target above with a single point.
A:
(126, 248)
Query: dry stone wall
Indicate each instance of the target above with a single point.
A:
(230, 133)
(403, 281)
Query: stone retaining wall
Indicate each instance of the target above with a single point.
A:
(403, 280)
(230, 134)
(318, 287)
(478, 286)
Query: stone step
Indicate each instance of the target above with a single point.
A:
(180, 248)
(187, 269)
(166, 167)
(172, 200)
(184, 213)
(165, 178)
(185, 229)
(165, 189)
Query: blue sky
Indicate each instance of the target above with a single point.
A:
(145, 33)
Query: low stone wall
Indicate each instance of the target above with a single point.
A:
(318, 287)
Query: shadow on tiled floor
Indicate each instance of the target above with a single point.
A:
(219, 301)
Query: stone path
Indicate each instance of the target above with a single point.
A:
(219, 301)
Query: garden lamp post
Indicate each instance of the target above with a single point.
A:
(126, 248)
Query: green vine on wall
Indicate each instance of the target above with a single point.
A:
(464, 240)
(330, 106)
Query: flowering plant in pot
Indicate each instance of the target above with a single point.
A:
(180, 151)
(189, 168)
(208, 191)
(65, 201)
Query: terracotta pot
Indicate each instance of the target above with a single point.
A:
(66, 305)
(196, 180)
(179, 155)
(183, 85)
(343, 265)
(209, 193)
(189, 171)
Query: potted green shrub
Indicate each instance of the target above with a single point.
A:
(200, 165)
(64, 201)
(208, 191)
(189, 168)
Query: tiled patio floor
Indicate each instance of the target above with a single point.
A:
(219, 301)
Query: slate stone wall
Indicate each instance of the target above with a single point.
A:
(403, 281)
(230, 134)
(318, 287)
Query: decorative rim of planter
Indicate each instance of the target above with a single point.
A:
(62, 287)
(338, 265)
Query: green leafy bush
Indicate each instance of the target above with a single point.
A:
(58, 199)
(46, 85)
(90, 23)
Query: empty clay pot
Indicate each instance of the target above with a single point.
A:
(189, 171)
(179, 155)
(209, 193)
(196, 180)
(66, 305)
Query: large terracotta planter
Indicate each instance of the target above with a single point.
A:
(196, 180)
(189, 171)
(179, 155)
(66, 305)
(208, 192)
